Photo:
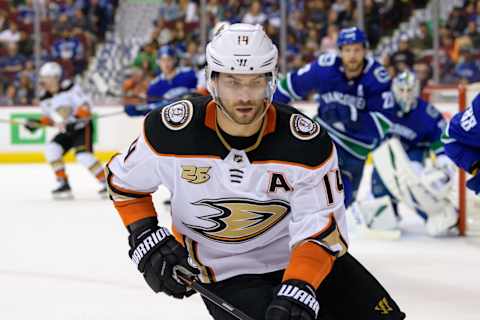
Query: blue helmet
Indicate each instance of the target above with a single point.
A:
(351, 36)
(166, 51)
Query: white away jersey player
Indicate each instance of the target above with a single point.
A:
(235, 211)
(63, 106)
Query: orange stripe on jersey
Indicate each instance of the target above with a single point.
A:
(134, 210)
(295, 163)
(46, 121)
(203, 91)
(309, 262)
(178, 236)
(211, 117)
(83, 112)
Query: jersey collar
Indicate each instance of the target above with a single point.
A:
(268, 125)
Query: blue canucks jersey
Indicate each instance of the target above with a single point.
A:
(419, 130)
(364, 100)
(161, 89)
(462, 137)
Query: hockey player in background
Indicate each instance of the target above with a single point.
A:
(172, 83)
(353, 92)
(257, 200)
(65, 106)
(462, 142)
(418, 126)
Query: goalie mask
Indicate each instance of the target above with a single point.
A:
(237, 50)
(406, 89)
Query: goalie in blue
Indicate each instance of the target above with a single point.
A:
(353, 94)
(462, 142)
(401, 170)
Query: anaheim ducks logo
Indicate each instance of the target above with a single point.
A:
(64, 112)
(239, 220)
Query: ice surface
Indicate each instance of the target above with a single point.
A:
(68, 260)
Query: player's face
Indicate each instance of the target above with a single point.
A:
(242, 96)
(167, 64)
(49, 83)
(352, 57)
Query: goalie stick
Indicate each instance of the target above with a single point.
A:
(207, 294)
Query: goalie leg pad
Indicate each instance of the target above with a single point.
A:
(378, 213)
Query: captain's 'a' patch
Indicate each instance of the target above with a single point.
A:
(303, 128)
(177, 115)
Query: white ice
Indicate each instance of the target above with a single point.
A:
(68, 260)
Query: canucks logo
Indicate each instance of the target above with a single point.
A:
(239, 220)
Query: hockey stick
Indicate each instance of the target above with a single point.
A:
(210, 296)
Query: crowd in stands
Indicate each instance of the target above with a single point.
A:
(70, 29)
(312, 28)
(459, 48)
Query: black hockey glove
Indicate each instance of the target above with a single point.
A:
(294, 300)
(32, 125)
(159, 258)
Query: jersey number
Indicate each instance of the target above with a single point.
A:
(326, 60)
(468, 120)
(328, 188)
(388, 101)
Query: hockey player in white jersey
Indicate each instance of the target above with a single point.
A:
(257, 200)
(65, 107)
(401, 170)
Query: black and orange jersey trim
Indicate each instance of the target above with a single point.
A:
(199, 138)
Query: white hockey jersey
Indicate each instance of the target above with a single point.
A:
(236, 211)
(62, 107)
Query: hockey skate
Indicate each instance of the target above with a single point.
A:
(62, 192)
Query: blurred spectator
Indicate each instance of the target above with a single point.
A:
(404, 58)
(424, 73)
(422, 41)
(135, 86)
(192, 57)
(24, 90)
(329, 42)
(457, 21)
(255, 14)
(146, 59)
(473, 34)
(372, 22)
(68, 50)
(169, 11)
(13, 62)
(3, 20)
(468, 68)
(12, 34)
(316, 15)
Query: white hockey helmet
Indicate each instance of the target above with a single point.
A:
(242, 48)
(406, 89)
(51, 69)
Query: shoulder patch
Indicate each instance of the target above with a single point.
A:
(177, 115)
(303, 128)
(381, 74)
